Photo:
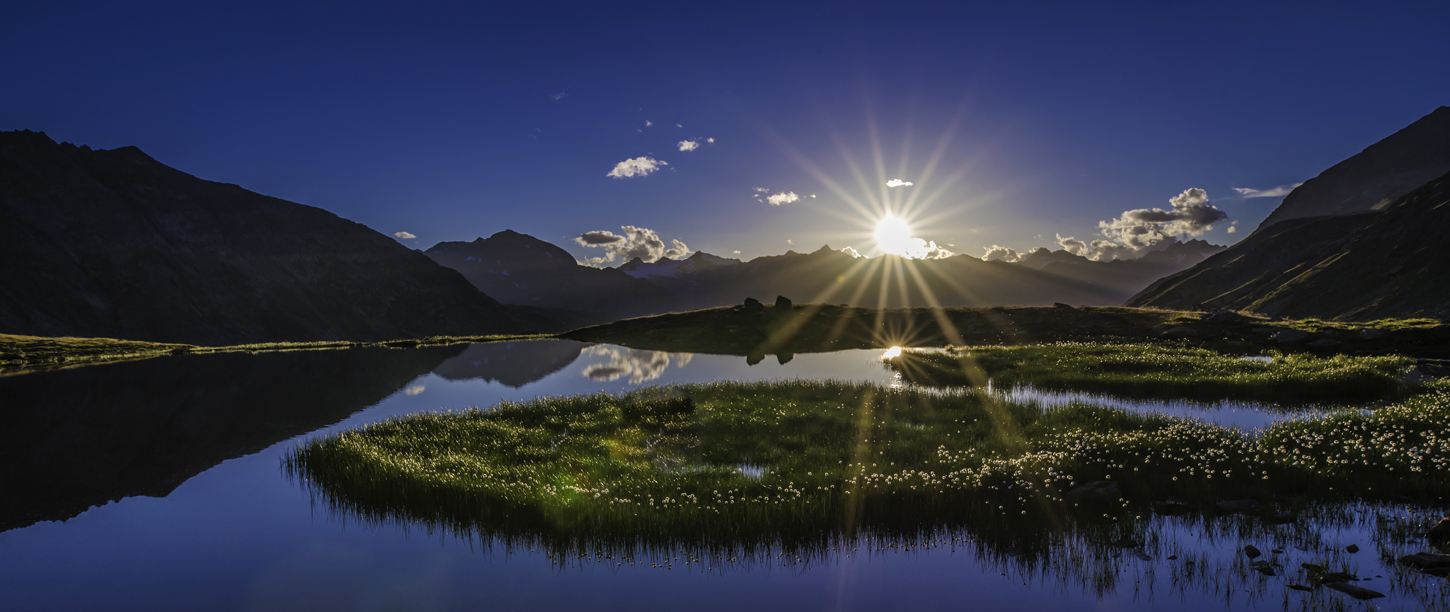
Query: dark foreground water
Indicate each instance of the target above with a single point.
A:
(156, 485)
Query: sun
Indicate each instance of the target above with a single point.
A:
(893, 235)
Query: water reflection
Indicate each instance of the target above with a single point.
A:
(512, 364)
(82, 437)
(639, 365)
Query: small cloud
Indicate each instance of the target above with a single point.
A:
(736, 252)
(784, 197)
(898, 183)
(1272, 192)
(710, 140)
(852, 252)
(813, 196)
(789, 241)
(678, 125)
(414, 390)
(403, 236)
(560, 96)
(761, 189)
(647, 123)
(639, 166)
(689, 145)
(1233, 230)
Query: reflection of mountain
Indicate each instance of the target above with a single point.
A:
(82, 437)
(639, 365)
(514, 364)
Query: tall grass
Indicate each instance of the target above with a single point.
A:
(1157, 370)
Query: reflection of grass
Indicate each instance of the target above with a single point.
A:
(1153, 370)
(34, 352)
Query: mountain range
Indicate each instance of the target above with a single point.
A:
(112, 243)
(1357, 242)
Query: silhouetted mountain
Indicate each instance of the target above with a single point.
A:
(1123, 277)
(832, 276)
(1375, 177)
(514, 364)
(521, 269)
(667, 267)
(82, 437)
(116, 244)
(1392, 262)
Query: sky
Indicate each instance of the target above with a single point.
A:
(741, 129)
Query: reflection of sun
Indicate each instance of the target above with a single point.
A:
(893, 235)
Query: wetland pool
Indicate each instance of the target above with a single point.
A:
(157, 485)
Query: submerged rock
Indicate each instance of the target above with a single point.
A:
(1170, 508)
(1351, 549)
(1426, 561)
(1096, 492)
(1252, 552)
(1239, 506)
(1440, 532)
(1356, 592)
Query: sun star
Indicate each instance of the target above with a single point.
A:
(893, 235)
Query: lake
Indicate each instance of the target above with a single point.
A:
(157, 485)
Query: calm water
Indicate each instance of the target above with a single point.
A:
(167, 474)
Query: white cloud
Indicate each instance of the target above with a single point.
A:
(1272, 192)
(689, 145)
(784, 197)
(1191, 215)
(403, 236)
(737, 252)
(414, 390)
(789, 241)
(639, 166)
(634, 242)
(710, 140)
(1233, 229)
(647, 123)
(639, 365)
(898, 183)
(852, 252)
(678, 125)
(1001, 253)
(560, 96)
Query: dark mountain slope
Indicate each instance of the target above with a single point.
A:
(1375, 177)
(521, 269)
(1394, 262)
(116, 244)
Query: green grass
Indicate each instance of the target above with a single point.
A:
(1157, 370)
(730, 465)
(23, 353)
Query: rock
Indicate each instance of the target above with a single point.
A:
(783, 357)
(1238, 506)
(1060, 305)
(1337, 577)
(1170, 508)
(1440, 532)
(1253, 553)
(1127, 542)
(1372, 334)
(1142, 556)
(1097, 491)
(1179, 332)
(1224, 317)
(1289, 336)
(1325, 343)
(1426, 561)
(1351, 549)
(783, 302)
(1356, 592)
(1300, 587)
(753, 305)
(754, 358)
(1263, 567)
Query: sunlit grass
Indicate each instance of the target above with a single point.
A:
(1157, 370)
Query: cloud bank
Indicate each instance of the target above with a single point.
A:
(852, 252)
(1001, 253)
(403, 236)
(1148, 229)
(898, 183)
(639, 166)
(634, 242)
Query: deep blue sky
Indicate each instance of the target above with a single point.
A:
(443, 121)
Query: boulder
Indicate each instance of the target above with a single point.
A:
(1289, 336)
(1180, 332)
(1251, 552)
(1060, 305)
(753, 305)
(1351, 549)
(1372, 334)
(783, 302)
(1426, 561)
